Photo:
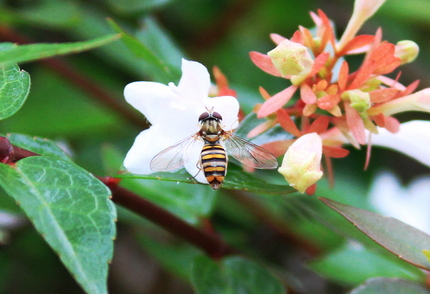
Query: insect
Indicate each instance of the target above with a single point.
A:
(213, 158)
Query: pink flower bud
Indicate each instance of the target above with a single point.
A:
(407, 51)
(291, 58)
(302, 161)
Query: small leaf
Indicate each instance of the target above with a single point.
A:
(14, 88)
(38, 145)
(24, 53)
(389, 286)
(233, 275)
(401, 239)
(71, 209)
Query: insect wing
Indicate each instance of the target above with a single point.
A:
(173, 157)
(249, 153)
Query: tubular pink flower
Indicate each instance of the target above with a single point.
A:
(419, 101)
(363, 10)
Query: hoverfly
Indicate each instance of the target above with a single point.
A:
(213, 158)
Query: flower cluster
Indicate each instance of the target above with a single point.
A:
(327, 98)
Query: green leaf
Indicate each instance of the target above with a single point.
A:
(38, 145)
(177, 257)
(14, 88)
(390, 286)
(367, 264)
(23, 53)
(48, 13)
(133, 6)
(72, 211)
(401, 239)
(235, 180)
(166, 72)
(55, 110)
(232, 275)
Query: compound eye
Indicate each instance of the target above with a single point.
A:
(217, 115)
(204, 116)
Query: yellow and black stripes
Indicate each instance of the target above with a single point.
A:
(214, 163)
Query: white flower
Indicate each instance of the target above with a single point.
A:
(410, 205)
(173, 112)
(413, 139)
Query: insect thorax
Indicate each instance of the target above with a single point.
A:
(211, 130)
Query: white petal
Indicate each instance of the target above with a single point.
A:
(150, 99)
(195, 81)
(410, 205)
(148, 144)
(228, 107)
(413, 140)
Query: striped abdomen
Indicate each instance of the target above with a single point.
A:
(214, 163)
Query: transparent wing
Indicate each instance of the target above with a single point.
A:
(249, 153)
(175, 156)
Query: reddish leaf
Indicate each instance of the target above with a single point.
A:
(328, 102)
(382, 95)
(264, 63)
(319, 125)
(335, 152)
(278, 148)
(276, 101)
(409, 89)
(356, 43)
(297, 37)
(355, 124)
(343, 76)
(319, 63)
(307, 95)
(277, 38)
(287, 123)
(401, 239)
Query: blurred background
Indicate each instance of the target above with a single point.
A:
(216, 33)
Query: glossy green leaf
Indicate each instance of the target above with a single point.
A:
(72, 211)
(233, 275)
(401, 239)
(14, 88)
(367, 264)
(37, 145)
(24, 53)
(235, 180)
(166, 72)
(390, 286)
